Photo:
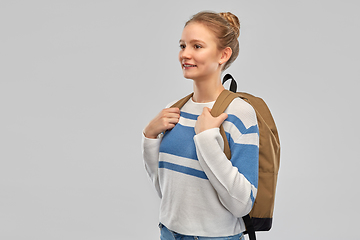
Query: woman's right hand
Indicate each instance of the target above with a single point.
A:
(165, 120)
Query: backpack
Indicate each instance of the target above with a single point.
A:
(260, 217)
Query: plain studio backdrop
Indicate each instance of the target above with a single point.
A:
(79, 80)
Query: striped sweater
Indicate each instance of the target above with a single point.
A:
(202, 192)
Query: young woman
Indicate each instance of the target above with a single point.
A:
(203, 194)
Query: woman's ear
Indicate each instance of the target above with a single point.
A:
(225, 55)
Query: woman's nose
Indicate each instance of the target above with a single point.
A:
(185, 54)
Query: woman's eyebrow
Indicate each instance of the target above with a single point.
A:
(192, 41)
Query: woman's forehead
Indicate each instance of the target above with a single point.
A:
(197, 32)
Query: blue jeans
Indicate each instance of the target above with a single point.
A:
(167, 234)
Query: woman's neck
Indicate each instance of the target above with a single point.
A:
(207, 91)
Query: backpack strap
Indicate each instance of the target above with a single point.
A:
(233, 85)
(182, 101)
(179, 104)
(222, 102)
(250, 230)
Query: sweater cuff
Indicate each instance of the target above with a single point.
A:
(150, 142)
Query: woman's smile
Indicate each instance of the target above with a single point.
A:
(187, 66)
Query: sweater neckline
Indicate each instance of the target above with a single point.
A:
(205, 103)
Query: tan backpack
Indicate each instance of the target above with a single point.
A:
(260, 217)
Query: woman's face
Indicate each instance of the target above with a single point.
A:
(199, 56)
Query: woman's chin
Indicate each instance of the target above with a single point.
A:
(188, 76)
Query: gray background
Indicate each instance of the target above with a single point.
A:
(79, 80)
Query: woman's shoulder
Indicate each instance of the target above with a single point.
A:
(242, 110)
(239, 105)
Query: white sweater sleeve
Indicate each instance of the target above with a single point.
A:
(150, 151)
(235, 181)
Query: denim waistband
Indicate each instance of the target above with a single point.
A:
(167, 234)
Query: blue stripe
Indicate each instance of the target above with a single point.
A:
(240, 125)
(189, 115)
(231, 118)
(246, 158)
(183, 169)
(179, 142)
(252, 197)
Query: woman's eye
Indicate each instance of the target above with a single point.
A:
(197, 46)
(182, 46)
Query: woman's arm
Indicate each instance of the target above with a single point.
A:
(235, 181)
(165, 120)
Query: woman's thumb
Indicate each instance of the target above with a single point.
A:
(222, 117)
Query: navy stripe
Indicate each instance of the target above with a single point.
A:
(183, 169)
(252, 197)
(231, 118)
(179, 142)
(246, 158)
(189, 115)
(240, 125)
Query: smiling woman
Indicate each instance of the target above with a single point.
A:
(203, 194)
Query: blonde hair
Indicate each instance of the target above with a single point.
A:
(226, 28)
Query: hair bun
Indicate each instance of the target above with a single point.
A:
(233, 20)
